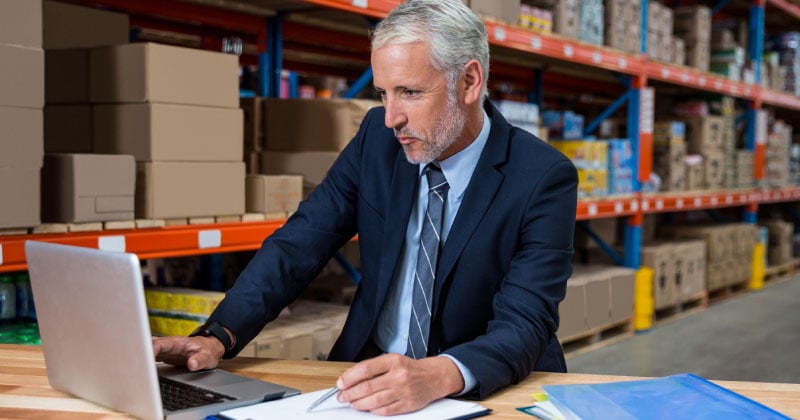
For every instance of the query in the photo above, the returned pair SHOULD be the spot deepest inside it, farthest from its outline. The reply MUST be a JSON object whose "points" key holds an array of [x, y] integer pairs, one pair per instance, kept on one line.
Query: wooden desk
{"points": [[25, 392]]}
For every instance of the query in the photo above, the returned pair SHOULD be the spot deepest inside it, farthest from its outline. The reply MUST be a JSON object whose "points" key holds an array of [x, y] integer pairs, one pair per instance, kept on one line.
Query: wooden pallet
{"points": [[688, 306], [780, 272], [729, 291], [597, 337]]}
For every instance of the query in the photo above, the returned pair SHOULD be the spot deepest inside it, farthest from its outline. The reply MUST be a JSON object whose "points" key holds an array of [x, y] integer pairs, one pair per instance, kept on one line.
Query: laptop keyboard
{"points": [[178, 395]]}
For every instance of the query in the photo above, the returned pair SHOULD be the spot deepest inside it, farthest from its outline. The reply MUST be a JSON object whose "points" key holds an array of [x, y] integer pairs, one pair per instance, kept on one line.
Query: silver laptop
{"points": [[96, 337]]}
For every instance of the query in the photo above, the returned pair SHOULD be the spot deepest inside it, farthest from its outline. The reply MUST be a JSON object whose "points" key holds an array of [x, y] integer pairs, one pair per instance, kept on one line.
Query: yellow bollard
{"points": [[643, 305], [757, 272]]}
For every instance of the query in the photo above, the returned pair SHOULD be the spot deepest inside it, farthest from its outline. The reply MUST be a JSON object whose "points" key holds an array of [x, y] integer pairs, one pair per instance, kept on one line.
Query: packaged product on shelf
{"points": [[722, 38], [732, 71], [678, 56], [273, 193], [660, 258], [694, 172], [506, 11], [669, 150], [620, 167], [72, 26], [591, 21], [566, 18], [705, 135], [563, 124], [733, 55]]}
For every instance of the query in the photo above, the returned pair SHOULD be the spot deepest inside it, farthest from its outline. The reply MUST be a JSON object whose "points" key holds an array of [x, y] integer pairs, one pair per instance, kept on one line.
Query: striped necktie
{"points": [[425, 273]]}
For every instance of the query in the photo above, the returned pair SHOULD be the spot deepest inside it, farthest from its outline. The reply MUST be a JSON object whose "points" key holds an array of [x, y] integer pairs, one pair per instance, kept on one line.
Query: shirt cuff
{"points": [[469, 379]]}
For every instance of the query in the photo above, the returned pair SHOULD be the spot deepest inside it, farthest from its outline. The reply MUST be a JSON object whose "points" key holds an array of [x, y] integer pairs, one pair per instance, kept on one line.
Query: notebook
{"points": [[97, 343]]}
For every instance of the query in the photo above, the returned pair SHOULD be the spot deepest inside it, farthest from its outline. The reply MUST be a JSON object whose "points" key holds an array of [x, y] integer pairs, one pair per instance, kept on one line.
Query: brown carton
{"points": [[506, 10], [305, 125], [71, 26], [87, 188], [313, 166], [22, 80], [21, 138], [167, 132], [68, 129], [690, 269], [660, 259], [572, 310], [66, 76], [704, 134], [252, 109], [714, 170], [273, 193], [20, 187], [189, 189], [566, 18], [21, 23], [694, 172], [621, 282], [598, 303], [147, 72]]}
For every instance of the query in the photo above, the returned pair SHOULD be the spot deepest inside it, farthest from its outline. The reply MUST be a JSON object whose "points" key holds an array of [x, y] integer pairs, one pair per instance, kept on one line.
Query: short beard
{"points": [[446, 129]]}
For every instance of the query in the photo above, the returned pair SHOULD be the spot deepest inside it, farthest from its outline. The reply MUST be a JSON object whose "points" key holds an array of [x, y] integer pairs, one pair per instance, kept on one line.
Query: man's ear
{"points": [[473, 82]]}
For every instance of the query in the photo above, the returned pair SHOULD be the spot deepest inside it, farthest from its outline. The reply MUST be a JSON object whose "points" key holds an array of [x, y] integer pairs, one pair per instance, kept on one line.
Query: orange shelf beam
{"points": [[693, 78], [787, 7], [607, 207], [173, 241], [781, 99]]}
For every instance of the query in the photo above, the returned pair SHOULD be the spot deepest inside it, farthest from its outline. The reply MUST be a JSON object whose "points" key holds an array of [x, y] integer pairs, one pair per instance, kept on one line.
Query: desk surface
{"points": [[25, 392]]}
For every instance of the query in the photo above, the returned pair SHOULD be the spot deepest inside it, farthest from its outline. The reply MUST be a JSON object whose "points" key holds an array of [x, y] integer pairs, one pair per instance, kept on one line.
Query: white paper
{"points": [[295, 408]]}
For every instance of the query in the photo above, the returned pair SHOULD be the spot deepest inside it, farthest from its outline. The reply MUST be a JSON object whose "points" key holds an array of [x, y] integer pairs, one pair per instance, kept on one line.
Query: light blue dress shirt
{"points": [[391, 332]]}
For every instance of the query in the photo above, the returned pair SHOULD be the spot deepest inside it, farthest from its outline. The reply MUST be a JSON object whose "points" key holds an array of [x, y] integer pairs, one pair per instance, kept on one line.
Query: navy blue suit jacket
{"points": [[502, 271]]}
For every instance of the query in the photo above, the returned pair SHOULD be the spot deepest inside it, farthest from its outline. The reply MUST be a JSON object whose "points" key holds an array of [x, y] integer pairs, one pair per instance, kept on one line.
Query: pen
{"points": [[331, 392]]}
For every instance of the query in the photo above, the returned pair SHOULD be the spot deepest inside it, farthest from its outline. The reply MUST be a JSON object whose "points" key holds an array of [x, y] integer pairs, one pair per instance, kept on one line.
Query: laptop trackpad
{"points": [[210, 378]]}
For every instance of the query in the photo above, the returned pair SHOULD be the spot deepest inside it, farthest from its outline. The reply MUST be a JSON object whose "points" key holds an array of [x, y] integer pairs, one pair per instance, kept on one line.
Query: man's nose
{"points": [[395, 115]]}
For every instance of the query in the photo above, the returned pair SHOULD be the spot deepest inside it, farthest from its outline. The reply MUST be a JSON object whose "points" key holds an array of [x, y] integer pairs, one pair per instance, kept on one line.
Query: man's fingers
{"points": [[375, 401], [365, 370]]}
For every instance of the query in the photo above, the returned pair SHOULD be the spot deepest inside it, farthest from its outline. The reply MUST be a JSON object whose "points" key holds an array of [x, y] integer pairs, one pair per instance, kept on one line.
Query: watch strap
{"points": [[213, 329]]}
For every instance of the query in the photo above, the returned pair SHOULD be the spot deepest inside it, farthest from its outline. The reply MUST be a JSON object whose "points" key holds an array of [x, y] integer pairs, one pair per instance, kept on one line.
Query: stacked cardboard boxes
{"points": [[669, 152], [779, 245], [705, 136], [659, 32], [678, 270], [597, 296], [623, 25], [566, 18], [304, 136], [21, 103], [744, 169], [176, 110], [692, 24], [779, 141]]}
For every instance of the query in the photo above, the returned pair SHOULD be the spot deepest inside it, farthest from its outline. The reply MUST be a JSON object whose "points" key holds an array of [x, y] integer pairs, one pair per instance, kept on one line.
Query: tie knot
{"points": [[436, 179]]}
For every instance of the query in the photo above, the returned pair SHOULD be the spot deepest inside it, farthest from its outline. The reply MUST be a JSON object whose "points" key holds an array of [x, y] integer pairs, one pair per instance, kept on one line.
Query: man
{"points": [[467, 314]]}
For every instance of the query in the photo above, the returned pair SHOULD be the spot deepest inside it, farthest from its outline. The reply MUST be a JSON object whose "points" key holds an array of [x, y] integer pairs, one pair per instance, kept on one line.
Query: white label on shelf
{"points": [[361, 3], [114, 243], [618, 207], [664, 72], [728, 199], [714, 201], [646, 106], [659, 204], [597, 57], [701, 81], [684, 77], [747, 90], [698, 201], [568, 50], [209, 238], [734, 89], [679, 203], [761, 127], [634, 206], [645, 205], [717, 84], [536, 43], [623, 63], [742, 198], [592, 209], [1, 254], [500, 34]]}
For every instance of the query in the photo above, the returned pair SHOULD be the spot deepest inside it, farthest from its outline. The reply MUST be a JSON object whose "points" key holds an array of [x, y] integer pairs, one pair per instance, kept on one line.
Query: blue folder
{"points": [[684, 396]]}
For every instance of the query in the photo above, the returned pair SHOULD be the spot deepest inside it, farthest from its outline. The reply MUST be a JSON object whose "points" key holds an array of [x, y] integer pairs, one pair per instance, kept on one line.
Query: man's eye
{"points": [[411, 93]]}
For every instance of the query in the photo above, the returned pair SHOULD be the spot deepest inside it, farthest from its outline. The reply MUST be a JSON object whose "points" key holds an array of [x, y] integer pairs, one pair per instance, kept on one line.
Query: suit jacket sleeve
{"points": [[295, 254], [520, 336]]}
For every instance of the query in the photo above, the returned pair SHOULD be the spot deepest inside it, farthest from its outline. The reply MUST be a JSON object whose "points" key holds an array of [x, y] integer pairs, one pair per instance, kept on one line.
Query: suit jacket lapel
{"points": [[478, 197], [401, 198]]}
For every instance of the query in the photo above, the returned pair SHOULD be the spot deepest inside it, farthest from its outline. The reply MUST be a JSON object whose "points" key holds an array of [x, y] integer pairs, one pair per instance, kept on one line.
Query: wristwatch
{"points": [[213, 329]]}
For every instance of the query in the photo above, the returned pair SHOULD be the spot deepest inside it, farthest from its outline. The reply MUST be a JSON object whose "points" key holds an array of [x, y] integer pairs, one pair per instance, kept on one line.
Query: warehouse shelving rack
{"points": [[266, 30]]}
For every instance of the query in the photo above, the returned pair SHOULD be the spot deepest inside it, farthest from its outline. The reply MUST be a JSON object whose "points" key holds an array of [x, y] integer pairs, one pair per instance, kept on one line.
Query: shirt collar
{"points": [[458, 168]]}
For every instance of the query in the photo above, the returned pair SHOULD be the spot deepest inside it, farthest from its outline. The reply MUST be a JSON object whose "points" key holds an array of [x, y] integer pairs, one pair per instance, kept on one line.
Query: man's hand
{"points": [[193, 352], [393, 384]]}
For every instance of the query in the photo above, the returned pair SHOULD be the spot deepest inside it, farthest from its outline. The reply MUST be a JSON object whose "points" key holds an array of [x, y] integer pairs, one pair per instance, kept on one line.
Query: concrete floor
{"points": [[754, 336]]}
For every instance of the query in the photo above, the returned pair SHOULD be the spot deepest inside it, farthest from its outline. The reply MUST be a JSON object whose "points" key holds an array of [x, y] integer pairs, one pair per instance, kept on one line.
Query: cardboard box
{"points": [[313, 166], [21, 138], [660, 259], [22, 81], [253, 112], [21, 187], [695, 171], [704, 134], [273, 193], [71, 26], [68, 129], [678, 52], [148, 72], [87, 188], [305, 125], [571, 310], [605, 228], [21, 23], [506, 10], [692, 23], [598, 299], [689, 269], [66, 76], [621, 281], [189, 189], [167, 132], [713, 170], [566, 18]]}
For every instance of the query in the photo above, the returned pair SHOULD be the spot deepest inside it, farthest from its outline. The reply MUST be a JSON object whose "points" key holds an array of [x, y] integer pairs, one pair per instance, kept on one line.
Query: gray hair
{"points": [[455, 34]]}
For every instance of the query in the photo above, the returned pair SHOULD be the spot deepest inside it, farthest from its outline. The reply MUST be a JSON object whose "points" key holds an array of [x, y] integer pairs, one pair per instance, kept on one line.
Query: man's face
{"points": [[426, 117]]}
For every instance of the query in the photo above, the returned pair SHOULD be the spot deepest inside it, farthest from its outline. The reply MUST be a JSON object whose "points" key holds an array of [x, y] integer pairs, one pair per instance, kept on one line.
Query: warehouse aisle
{"points": [[751, 337]]}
